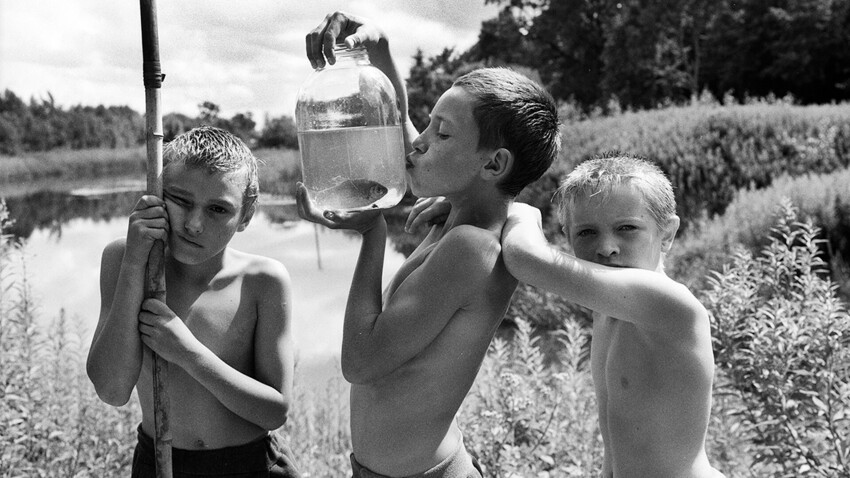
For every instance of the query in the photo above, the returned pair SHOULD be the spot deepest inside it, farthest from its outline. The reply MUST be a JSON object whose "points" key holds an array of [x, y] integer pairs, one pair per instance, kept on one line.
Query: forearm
{"points": [[364, 299], [244, 395], [381, 58], [115, 357], [628, 293]]}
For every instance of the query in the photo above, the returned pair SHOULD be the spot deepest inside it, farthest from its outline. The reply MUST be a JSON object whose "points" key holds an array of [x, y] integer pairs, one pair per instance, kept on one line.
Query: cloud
{"points": [[243, 56]]}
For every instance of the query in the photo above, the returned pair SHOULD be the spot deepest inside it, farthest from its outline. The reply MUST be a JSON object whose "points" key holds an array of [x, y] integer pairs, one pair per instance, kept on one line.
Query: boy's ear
{"points": [[669, 233], [499, 163], [246, 217]]}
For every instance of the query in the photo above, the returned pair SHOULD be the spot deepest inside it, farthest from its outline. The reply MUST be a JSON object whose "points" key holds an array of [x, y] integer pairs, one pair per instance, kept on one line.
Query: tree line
{"points": [[596, 55], [42, 125], [646, 53]]}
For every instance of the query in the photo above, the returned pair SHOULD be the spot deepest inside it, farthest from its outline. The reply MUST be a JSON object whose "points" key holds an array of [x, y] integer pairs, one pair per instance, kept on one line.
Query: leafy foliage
{"points": [[710, 151], [822, 198], [781, 336], [643, 54], [51, 421], [525, 417]]}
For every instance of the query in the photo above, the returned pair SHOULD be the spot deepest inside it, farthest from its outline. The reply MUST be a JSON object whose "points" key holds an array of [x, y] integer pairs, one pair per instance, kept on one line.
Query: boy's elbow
{"points": [[355, 371], [278, 417], [108, 390]]}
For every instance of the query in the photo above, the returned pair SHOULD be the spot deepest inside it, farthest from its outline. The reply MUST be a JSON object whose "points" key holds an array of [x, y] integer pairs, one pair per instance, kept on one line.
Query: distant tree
{"points": [[174, 124], [242, 125], [780, 47], [208, 113], [278, 133], [429, 79]]}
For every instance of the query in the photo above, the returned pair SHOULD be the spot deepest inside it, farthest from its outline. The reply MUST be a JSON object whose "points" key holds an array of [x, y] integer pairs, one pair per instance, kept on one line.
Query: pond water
{"points": [[66, 230]]}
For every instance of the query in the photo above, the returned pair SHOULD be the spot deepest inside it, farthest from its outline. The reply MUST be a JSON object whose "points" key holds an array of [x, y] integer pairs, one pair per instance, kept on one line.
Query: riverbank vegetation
{"points": [[782, 341]]}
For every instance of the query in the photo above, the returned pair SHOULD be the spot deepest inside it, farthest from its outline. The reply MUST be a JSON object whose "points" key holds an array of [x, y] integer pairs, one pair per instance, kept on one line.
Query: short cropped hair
{"points": [[605, 172], [515, 113], [216, 151]]}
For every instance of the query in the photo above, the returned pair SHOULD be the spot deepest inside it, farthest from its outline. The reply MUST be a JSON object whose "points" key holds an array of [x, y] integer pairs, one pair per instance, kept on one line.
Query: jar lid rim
{"points": [[343, 47]]}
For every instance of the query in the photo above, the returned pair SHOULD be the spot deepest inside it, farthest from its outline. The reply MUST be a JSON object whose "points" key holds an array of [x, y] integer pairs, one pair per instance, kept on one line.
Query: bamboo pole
{"points": [[155, 277]]}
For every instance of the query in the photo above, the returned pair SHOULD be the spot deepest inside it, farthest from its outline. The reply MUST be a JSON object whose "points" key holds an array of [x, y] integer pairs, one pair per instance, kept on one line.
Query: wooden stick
{"points": [[155, 277]]}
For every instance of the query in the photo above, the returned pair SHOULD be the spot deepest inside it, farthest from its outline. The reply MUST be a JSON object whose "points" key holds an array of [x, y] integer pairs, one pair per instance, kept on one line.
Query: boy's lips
{"points": [[189, 241], [408, 164]]}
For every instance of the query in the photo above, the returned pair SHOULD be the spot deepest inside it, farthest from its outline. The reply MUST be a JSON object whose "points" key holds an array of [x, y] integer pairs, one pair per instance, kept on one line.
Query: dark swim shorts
{"points": [[268, 457]]}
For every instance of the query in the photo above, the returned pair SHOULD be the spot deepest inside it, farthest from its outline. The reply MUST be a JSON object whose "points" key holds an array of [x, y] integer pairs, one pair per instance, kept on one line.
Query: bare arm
{"points": [[262, 399], [115, 356], [377, 341], [640, 296]]}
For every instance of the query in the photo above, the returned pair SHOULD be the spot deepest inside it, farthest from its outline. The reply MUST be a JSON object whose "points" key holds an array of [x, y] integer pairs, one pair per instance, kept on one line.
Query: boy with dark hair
{"points": [[651, 356], [412, 353], [225, 326]]}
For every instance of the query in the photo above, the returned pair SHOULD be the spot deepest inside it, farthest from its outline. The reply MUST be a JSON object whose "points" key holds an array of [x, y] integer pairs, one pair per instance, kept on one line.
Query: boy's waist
{"points": [[408, 453], [251, 455]]}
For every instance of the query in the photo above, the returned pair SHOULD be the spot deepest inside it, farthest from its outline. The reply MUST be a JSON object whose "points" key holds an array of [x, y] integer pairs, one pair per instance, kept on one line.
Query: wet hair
{"points": [[215, 151], [600, 175], [515, 113]]}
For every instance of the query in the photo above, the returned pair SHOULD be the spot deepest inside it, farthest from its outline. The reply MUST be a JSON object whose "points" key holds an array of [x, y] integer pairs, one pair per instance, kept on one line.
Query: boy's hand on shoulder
{"points": [[148, 223], [428, 212], [354, 30], [523, 227], [523, 239], [164, 333], [360, 221]]}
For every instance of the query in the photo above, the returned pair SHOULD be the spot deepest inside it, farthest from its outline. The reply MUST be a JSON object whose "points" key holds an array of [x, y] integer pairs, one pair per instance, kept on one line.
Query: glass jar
{"points": [[349, 135]]}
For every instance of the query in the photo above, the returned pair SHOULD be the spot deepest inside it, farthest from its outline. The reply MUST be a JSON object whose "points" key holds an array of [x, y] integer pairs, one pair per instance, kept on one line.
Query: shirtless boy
{"points": [[412, 353], [651, 356], [225, 326]]}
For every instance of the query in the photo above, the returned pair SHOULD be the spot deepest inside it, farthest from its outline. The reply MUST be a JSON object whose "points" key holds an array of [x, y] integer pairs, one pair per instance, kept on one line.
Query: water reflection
{"points": [[65, 235]]}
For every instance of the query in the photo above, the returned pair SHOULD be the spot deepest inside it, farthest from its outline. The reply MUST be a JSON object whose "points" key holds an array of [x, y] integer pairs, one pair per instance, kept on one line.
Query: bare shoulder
{"points": [[471, 245], [680, 307], [112, 255], [261, 271]]}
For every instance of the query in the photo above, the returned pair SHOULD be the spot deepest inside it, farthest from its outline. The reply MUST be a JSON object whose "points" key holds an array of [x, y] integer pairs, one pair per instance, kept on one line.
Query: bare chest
{"points": [[222, 317], [623, 359]]}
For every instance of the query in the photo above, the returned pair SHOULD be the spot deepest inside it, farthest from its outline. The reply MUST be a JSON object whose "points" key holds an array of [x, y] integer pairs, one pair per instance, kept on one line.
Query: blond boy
{"points": [[651, 355]]}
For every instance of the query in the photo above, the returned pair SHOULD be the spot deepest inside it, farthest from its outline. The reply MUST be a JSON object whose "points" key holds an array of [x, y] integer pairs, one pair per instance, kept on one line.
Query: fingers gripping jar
{"points": [[349, 134]]}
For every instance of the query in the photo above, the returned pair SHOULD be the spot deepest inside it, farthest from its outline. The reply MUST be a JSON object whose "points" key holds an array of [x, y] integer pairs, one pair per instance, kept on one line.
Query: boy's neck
{"points": [[199, 274], [483, 211]]}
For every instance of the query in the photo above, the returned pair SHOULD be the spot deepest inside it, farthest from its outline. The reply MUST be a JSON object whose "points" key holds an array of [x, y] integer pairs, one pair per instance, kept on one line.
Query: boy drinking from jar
{"points": [[412, 353], [224, 328]]}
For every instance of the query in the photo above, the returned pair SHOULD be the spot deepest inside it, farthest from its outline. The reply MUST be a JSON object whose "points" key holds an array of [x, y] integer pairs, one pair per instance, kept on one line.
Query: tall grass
{"points": [[51, 421]]}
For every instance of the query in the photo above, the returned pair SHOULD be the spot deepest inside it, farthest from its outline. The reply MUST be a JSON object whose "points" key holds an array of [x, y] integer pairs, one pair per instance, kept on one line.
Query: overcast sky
{"points": [[245, 56]]}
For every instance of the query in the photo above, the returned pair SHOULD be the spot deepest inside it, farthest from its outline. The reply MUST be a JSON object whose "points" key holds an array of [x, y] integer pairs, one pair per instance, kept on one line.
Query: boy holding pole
{"points": [[224, 328]]}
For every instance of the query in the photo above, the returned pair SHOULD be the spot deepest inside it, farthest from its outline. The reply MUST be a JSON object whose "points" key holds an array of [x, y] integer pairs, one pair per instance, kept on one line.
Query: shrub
{"points": [[781, 337], [711, 151], [823, 198], [525, 418], [51, 421]]}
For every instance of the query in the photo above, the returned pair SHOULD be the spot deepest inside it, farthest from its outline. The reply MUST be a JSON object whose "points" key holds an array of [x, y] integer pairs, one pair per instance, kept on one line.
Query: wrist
{"points": [[378, 226]]}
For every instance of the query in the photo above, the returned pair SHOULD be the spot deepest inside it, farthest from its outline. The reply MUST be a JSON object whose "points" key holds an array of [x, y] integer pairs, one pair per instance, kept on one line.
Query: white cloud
{"points": [[243, 56]]}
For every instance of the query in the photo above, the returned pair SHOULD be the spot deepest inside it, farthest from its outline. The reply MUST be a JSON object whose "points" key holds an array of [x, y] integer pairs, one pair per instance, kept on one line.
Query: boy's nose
{"points": [[607, 248], [419, 144], [194, 224]]}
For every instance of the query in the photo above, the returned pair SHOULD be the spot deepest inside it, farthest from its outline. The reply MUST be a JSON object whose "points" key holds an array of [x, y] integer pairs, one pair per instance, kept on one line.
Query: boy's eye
{"points": [[627, 227], [175, 199], [585, 232], [218, 209]]}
